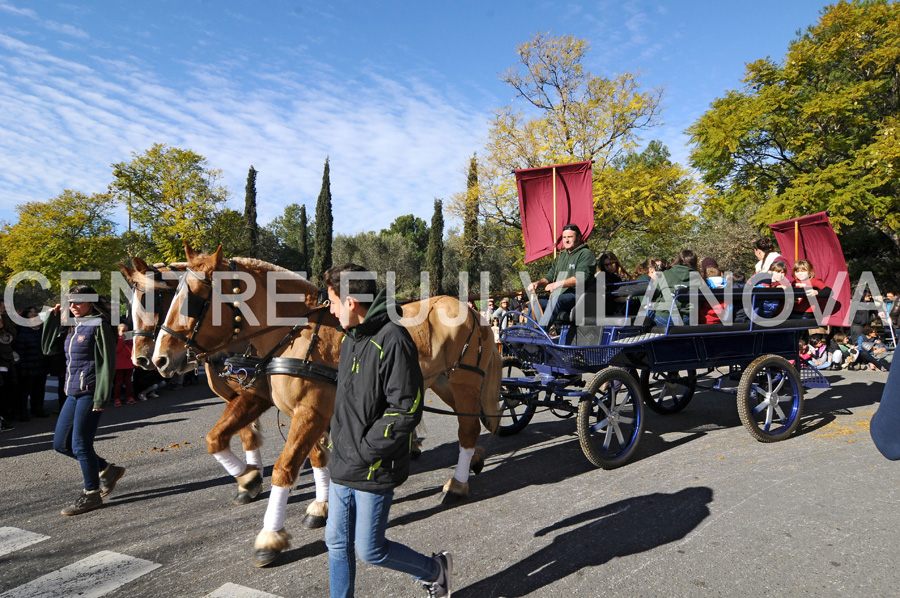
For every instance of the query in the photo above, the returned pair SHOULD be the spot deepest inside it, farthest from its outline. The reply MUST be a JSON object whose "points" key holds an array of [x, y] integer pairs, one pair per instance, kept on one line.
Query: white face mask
{"points": [[801, 275]]}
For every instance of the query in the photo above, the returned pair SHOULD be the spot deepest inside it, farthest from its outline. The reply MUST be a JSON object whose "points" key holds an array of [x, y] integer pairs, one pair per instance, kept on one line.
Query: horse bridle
{"points": [[197, 308], [157, 304]]}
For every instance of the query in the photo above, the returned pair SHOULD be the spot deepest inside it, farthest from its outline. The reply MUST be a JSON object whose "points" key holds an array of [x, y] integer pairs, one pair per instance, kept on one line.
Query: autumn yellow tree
{"points": [[562, 114]]}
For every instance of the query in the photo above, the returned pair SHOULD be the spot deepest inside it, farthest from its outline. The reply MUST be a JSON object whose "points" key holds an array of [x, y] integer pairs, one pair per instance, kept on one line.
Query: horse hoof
{"points": [[249, 491], [414, 454], [450, 499], [477, 465], [312, 521], [263, 557]]}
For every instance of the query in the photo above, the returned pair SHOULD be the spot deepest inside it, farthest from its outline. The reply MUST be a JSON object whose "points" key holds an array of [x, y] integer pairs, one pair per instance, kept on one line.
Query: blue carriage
{"points": [[634, 364]]}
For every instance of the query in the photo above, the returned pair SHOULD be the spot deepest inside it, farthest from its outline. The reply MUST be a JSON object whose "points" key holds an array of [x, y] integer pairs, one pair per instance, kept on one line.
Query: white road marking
{"points": [[231, 590], [13, 539], [92, 577]]}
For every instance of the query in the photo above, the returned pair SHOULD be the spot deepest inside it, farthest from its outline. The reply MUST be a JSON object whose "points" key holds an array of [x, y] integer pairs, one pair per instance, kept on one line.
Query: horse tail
{"points": [[493, 375]]}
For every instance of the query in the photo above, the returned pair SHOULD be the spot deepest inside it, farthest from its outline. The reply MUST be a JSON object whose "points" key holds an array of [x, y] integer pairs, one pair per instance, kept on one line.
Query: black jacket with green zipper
{"points": [[378, 402]]}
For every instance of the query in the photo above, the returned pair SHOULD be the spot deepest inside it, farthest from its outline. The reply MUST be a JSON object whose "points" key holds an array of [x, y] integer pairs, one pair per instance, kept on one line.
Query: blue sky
{"points": [[398, 94]]}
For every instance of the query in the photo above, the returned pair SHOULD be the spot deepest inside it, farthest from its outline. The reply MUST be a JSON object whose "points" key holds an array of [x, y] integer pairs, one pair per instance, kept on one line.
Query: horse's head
{"points": [[152, 289]]}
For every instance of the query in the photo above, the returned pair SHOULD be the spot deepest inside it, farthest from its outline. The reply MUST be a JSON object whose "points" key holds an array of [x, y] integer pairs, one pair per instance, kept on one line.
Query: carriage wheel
{"points": [[611, 418], [515, 408], [668, 392], [770, 398]]}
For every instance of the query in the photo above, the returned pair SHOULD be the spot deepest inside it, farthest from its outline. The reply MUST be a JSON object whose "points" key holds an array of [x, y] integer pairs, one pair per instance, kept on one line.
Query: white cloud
{"points": [[393, 144]]}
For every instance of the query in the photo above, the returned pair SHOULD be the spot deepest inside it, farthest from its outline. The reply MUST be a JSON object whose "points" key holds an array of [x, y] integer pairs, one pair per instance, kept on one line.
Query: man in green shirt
{"points": [[575, 257]]}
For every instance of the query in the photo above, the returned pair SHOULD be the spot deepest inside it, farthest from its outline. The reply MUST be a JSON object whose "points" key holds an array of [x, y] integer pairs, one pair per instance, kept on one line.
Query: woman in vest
{"points": [[88, 341]]}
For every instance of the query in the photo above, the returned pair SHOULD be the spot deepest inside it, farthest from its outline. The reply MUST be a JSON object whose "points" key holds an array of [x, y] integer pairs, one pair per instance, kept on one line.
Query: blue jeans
{"points": [[74, 437], [563, 302], [358, 519]]}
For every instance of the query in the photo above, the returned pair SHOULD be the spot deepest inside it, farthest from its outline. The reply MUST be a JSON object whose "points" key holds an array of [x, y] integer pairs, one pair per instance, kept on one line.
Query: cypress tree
{"points": [[471, 261], [436, 250], [251, 229], [303, 249], [324, 223]]}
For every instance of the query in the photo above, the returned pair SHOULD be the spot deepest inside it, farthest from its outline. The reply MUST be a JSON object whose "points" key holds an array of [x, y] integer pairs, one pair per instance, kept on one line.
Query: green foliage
{"points": [[251, 228], [324, 222], [414, 230], [381, 253], [817, 131], [294, 240], [172, 196], [71, 232], [470, 245], [435, 258]]}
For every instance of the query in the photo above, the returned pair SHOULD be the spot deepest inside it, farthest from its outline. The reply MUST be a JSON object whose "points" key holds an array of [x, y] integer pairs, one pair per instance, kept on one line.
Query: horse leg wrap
{"points": [[254, 459], [230, 462], [275, 510], [463, 464], [322, 477]]}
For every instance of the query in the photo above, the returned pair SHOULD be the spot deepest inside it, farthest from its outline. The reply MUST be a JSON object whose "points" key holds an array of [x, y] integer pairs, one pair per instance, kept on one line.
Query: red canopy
{"points": [[817, 243], [574, 204]]}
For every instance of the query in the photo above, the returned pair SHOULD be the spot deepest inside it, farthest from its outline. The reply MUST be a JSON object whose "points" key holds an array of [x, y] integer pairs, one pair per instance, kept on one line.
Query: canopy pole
{"points": [[796, 240], [553, 181]]}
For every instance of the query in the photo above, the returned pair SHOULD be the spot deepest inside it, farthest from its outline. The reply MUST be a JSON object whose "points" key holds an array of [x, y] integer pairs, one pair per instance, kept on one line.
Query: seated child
{"points": [[713, 313], [872, 350], [805, 278], [805, 353], [771, 307], [819, 356], [843, 354]]}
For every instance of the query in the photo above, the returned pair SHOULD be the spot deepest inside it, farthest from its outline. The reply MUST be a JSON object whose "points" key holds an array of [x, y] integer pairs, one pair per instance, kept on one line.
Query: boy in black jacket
{"points": [[377, 407]]}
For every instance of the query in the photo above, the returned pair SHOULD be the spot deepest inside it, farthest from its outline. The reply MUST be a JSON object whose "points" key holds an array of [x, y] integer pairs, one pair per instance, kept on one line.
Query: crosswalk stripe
{"points": [[13, 539], [232, 590], [92, 577]]}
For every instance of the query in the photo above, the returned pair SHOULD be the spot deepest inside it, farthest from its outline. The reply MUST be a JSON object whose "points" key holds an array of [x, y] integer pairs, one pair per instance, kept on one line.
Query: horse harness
{"points": [[157, 304]]}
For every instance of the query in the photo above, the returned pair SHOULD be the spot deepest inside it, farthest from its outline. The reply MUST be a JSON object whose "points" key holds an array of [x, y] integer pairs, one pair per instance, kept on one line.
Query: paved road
{"points": [[704, 510]]}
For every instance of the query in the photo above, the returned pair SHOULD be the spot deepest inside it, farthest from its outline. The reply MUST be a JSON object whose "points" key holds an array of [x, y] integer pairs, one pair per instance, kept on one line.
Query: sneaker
{"points": [[440, 587], [5, 425], [109, 477], [88, 501], [142, 397], [130, 401], [117, 403], [153, 395]]}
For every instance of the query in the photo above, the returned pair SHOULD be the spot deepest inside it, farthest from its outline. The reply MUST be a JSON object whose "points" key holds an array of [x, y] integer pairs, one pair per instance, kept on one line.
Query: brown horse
{"points": [[456, 354], [153, 288]]}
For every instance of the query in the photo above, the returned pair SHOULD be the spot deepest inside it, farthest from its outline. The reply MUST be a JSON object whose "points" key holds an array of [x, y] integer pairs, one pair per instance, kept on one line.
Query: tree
{"points": [[817, 131], [381, 253], [652, 194], [572, 116], [324, 223], [436, 250], [414, 231], [472, 250], [173, 196], [71, 232], [251, 229], [292, 231]]}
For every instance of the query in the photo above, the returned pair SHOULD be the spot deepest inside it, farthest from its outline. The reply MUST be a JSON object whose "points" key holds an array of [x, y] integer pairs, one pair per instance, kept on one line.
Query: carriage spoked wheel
{"points": [[611, 418], [668, 392], [515, 411], [770, 398]]}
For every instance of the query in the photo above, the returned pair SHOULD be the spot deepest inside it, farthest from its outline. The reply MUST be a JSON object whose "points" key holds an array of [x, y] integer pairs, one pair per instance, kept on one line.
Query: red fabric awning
{"points": [[574, 205], [817, 243]]}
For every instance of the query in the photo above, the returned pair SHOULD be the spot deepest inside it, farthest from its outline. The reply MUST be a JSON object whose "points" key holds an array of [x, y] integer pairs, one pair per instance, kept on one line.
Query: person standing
{"points": [[32, 365], [89, 345], [378, 404]]}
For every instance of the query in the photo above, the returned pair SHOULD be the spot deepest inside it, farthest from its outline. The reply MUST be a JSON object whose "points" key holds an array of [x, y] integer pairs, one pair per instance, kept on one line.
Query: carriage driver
{"points": [[376, 408], [575, 257]]}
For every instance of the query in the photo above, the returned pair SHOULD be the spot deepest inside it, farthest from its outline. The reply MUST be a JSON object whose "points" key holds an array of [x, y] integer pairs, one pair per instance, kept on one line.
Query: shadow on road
{"points": [[630, 526]]}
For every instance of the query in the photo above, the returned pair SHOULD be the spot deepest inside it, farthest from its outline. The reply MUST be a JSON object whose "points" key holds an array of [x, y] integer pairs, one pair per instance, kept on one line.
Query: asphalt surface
{"points": [[703, 510]]}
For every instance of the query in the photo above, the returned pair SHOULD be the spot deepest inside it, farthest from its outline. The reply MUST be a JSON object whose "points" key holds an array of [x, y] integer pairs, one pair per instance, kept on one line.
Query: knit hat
{"points": [[707, 262]]}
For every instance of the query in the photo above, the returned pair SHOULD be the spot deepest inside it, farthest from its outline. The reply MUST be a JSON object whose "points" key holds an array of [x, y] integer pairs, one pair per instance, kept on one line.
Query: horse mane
{"points": [[260, 265]]}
